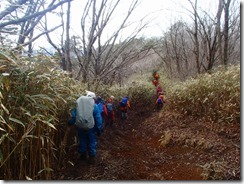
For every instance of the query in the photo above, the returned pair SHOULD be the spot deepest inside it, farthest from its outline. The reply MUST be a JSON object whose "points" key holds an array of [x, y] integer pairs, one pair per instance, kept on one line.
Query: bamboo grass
{"points": [[215, 96], [32, 94], [35, 100]]}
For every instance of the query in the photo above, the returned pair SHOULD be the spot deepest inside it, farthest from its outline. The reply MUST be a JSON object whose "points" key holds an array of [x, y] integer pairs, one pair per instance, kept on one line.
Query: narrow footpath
{"points": [[146, 146]]}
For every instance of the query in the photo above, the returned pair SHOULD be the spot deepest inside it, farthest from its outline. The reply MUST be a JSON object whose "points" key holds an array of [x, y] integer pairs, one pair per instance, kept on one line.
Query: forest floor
{"points": [[159, 145]]}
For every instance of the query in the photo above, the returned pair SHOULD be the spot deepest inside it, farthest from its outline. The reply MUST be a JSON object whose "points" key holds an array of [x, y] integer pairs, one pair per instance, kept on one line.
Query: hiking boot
{"points": [[83, 157], [91, 160]]}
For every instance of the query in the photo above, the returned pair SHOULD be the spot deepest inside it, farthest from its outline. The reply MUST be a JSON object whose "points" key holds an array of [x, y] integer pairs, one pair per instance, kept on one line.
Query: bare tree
{"points": [[195, 35], [102, 57], [22, 18], [14, 6], [234, 34], [226, 31], [174, 50], [218, 29], [62, 48], [67, 41], [207, 35], [229, 32]]}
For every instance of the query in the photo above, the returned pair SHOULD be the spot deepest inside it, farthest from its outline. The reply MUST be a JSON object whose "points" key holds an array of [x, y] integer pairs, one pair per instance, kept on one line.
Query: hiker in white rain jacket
{"points": [[87, 138]]}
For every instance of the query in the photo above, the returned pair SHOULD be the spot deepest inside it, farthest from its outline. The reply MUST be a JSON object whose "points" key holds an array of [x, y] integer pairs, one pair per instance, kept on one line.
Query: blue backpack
{"points": [[110, 107], [159, 101], [123, 102]]}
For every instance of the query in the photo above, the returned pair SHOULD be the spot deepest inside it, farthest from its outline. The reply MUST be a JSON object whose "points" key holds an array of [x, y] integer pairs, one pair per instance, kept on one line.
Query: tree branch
{"points": [[33, 15]]}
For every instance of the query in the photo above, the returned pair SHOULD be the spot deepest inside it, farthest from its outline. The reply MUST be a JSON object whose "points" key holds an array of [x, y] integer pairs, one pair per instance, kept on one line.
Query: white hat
{"points": [[90, 94]]}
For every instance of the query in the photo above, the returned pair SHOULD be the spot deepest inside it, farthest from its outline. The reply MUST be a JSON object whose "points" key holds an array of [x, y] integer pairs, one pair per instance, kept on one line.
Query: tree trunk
{"points": [[218, 30], [67, 42], [226, 32], [196, 39]]}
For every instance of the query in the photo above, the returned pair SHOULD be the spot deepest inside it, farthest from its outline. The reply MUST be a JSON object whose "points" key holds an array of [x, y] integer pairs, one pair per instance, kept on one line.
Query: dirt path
{"points": [[135, 149]]}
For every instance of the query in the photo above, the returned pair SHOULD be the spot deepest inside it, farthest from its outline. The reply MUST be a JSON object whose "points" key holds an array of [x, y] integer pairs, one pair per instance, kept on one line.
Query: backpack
{"points": [[100, 107], [84, 113], [159, 101], [123, 102], [109, 107]]}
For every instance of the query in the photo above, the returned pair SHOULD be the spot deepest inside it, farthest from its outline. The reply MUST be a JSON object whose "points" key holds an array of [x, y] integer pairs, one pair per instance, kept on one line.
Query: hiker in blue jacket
{"points": [[102, 108], [87, 138]]}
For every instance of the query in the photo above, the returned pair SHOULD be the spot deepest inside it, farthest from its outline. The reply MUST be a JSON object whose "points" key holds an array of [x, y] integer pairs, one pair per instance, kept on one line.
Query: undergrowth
{"points": [[215, 96], [36, 97]]}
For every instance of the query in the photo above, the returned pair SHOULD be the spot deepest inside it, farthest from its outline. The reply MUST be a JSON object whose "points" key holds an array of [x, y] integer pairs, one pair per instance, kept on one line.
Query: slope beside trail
{"points": [[132, 150]]}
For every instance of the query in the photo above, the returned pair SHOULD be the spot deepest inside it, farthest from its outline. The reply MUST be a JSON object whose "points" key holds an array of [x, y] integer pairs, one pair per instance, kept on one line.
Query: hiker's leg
{"points": [[111, 122], [104, 121], [126, 116], [113, 117], [92, 143], [123, 114], [82, 141], [158, 107], [110, 119]]}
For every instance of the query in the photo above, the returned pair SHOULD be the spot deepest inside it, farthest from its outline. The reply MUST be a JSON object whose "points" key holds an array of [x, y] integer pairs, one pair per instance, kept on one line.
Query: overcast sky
{"points": [[162, 12]]}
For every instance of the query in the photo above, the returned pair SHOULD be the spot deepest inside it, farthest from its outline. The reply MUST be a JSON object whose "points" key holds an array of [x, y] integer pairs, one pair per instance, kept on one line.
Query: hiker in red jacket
{"points": [[155, 82], [158, 90]]}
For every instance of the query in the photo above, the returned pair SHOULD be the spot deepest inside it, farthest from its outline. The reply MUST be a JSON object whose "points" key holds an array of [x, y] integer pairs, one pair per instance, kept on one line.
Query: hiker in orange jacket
{"points": [[156, 75], [124, 105]]}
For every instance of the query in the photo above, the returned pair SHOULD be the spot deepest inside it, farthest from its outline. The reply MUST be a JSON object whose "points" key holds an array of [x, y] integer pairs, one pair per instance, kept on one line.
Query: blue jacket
{"points": [[97, 118]]}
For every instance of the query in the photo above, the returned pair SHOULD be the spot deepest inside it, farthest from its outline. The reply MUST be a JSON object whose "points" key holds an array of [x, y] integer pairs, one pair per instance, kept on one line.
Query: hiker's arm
{"points": [[71, 121], [105, 110], [128, 103], [97, 117]]}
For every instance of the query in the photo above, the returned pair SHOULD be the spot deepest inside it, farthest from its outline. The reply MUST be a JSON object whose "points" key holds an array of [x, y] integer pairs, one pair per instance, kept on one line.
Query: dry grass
{"points": [[165, 138], [215, 96], [35, 99]]}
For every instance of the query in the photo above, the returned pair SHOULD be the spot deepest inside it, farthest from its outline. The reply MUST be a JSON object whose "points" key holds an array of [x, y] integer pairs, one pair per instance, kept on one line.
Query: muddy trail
{"points": [[153, 145]]}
